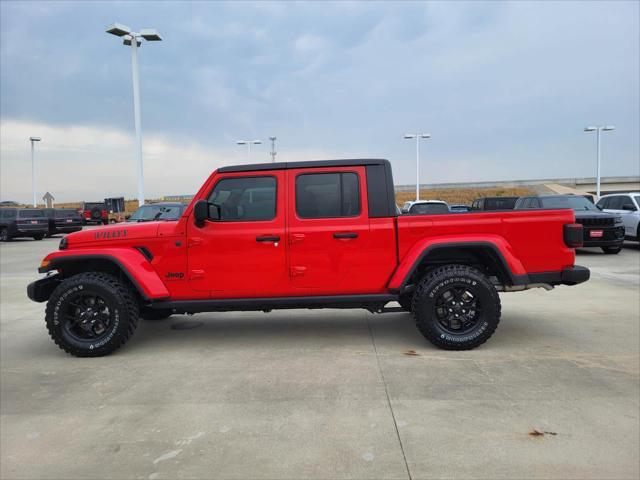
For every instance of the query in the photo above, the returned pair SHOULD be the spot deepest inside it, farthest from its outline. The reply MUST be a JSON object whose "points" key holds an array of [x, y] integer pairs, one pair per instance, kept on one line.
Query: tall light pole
{"points": [[133, 40], [417, 136], [273, 152], [248, 143], [33, 170], [598, 129]]}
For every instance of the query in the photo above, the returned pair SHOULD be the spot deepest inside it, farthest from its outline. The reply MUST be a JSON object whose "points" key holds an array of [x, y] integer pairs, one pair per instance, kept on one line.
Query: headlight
{"points": [[618, 220]]}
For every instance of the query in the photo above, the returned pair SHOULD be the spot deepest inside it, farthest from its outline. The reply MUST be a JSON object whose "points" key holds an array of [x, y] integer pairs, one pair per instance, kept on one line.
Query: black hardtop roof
{"points": [[310, 164]]}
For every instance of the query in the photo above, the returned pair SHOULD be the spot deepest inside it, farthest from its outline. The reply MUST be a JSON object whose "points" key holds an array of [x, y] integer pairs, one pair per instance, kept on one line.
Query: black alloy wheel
{"points": [[87, 316], [457, 310]]}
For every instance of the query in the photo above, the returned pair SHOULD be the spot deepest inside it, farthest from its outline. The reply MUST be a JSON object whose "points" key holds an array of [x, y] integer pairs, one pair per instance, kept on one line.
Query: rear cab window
{"points": [[327, 195]]}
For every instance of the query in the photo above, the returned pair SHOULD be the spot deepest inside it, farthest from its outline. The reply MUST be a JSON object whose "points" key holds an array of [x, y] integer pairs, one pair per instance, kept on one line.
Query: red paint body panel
{"points": [[131, 260], [224, 259]]}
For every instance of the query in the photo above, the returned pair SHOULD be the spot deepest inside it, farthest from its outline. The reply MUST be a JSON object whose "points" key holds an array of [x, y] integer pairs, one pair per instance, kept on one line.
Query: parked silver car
{"points": [[627, 205]]}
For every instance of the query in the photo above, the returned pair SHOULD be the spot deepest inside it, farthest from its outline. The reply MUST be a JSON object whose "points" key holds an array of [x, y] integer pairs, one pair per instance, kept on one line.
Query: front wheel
{"points": [[91, 314], [611, 250], [4, 235], [38, 236], [456, 307]]}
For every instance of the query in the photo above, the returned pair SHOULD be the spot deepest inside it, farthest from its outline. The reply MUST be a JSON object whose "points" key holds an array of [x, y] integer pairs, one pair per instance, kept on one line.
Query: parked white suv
{"points": [[627, 205]]}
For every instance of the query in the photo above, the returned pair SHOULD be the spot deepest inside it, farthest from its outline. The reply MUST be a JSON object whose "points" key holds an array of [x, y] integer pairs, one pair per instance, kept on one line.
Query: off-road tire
{"points": [[118, 296], [611, 250], [4, 235], [406, 301], [155, 315], [39, 236], [437, 282]]}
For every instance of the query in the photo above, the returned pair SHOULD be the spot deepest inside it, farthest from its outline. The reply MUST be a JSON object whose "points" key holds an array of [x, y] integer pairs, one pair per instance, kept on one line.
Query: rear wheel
{"points": [[456, 307], [91, 314], [611, 250], [38, 236], [4, 235]]}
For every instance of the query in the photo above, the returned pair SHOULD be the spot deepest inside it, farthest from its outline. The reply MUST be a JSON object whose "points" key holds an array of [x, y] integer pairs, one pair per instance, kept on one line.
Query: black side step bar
{"points": [[373, 303]]}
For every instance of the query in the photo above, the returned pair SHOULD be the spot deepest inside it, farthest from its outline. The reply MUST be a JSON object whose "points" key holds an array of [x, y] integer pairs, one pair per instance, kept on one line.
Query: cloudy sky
{"points": [[505, 89]]}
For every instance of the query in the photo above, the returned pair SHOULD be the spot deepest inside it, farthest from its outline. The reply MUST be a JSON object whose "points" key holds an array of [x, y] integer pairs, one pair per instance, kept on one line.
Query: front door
{"points": [[243, 253], [328, 230]]}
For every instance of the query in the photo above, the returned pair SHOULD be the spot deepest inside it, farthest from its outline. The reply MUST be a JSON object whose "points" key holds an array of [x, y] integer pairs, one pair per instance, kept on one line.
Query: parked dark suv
{"points": [[94, 212], [600, 229], [494, 203], [63, 220], [23, 222]]}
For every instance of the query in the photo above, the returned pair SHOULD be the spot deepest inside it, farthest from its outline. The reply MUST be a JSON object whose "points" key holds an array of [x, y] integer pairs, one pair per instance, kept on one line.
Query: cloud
{"points": [[77, 163], [504, 87]]}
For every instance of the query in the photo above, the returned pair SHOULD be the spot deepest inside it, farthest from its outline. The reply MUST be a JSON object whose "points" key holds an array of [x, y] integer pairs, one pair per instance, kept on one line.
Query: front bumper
{"points": [[611, 237], [40, 290]]}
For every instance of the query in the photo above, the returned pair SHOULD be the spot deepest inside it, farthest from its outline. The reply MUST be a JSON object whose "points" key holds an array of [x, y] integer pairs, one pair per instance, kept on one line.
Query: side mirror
{"points": [[629, 206], [200, 212]]}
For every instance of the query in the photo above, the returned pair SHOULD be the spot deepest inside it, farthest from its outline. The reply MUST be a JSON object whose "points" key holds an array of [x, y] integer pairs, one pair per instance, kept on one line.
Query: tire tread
{"points": [[119, 289]]}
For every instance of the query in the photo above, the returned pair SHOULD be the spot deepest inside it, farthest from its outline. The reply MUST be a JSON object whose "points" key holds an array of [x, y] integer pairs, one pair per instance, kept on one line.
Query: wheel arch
{"points": [[131, 267], [484, 254]]}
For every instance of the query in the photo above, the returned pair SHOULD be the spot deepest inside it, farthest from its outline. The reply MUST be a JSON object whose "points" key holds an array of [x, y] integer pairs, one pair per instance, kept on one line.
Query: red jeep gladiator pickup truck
{"points": [[303, 235]]}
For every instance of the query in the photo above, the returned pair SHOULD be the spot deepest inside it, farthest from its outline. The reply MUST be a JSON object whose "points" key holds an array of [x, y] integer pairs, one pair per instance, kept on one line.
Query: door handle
{"points": [[344, 235], [268, 238]]}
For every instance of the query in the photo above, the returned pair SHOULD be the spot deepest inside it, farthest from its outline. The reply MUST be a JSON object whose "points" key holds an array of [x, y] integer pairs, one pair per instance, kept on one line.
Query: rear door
{"points": [[243, 254], [328, 231]]}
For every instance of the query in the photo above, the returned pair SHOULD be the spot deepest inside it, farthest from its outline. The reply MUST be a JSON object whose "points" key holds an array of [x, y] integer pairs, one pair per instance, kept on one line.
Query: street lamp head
{"points": [[273, 139], [150, 35], [590, 129], [118, 29], [35, 139], [241, 142], [127, 41], [425, 135], [256, 142], [608, 128], [408, 135]]}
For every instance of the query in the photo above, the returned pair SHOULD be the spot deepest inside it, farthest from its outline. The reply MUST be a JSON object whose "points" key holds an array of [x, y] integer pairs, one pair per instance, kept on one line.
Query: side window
{"points": [[245, 199], [8, 214], [616, 202], [327, 195], [603, 202]]}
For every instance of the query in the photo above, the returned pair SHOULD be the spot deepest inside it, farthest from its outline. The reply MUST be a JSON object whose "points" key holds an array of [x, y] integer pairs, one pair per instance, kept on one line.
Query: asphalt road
{"points": [[330, 394]]}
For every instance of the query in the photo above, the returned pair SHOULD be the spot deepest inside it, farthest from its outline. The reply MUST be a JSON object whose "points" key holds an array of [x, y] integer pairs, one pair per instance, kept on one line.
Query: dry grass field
{"points": [[462, 196]]}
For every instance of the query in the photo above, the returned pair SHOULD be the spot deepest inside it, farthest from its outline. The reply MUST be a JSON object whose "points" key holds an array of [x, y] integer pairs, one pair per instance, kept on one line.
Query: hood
{"points": [[593, 214], [113, 233]]}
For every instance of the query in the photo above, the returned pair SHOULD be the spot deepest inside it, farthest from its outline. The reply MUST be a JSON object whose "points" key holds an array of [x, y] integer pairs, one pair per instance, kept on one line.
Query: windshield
{"points": [[428, 208], [573, 202], [148, 213]]}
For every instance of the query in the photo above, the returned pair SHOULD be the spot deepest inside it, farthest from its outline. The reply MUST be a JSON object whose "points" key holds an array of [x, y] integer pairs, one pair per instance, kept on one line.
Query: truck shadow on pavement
{"points": [[317, 330]]}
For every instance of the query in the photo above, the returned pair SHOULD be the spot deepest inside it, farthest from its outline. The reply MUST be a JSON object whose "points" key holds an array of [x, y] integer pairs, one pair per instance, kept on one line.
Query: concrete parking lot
{"points": [[330, 394]]}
